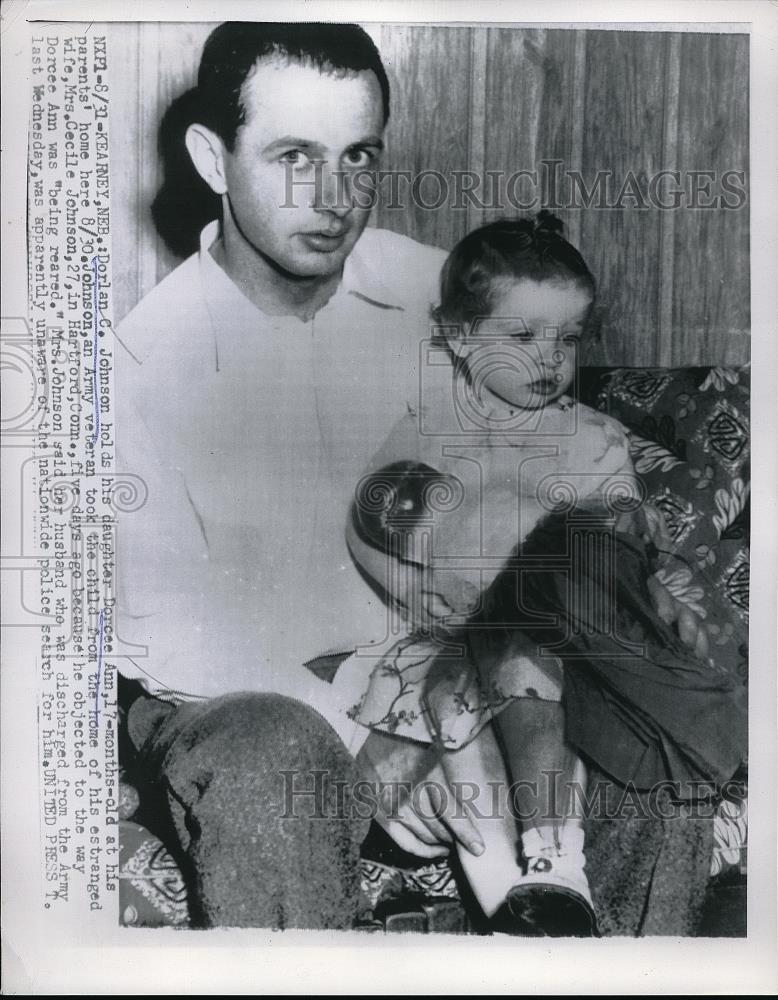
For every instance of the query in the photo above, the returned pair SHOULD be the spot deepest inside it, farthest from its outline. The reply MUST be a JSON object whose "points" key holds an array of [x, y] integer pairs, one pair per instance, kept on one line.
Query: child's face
{"points": [[525, 352]]}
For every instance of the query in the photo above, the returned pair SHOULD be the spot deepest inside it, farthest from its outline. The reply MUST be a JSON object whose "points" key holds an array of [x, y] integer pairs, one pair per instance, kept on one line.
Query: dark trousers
{"points": [[259, 789], [257, 853]]}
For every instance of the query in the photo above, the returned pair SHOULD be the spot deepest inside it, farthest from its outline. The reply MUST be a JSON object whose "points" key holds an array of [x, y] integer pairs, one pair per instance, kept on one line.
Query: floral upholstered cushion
{"points": [[690, 444]]}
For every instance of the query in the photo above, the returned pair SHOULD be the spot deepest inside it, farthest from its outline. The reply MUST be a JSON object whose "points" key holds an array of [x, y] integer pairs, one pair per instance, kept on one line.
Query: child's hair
{"points": [[506, 251]]}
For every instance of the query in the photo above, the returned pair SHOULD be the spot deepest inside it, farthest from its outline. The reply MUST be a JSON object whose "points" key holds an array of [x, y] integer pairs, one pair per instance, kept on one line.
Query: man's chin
{"points": [[318, 264]]}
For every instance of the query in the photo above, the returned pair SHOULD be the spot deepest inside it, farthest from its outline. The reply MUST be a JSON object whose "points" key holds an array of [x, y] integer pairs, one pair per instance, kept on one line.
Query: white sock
{"points": [[554, 839], [494, 873]]}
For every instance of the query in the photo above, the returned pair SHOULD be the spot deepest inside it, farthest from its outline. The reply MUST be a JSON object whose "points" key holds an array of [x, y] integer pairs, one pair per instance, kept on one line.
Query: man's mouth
{"points": [[325, 240]]}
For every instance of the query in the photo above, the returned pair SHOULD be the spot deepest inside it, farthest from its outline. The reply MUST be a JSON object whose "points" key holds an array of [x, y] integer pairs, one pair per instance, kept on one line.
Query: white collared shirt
{"points": [[250, 432]]}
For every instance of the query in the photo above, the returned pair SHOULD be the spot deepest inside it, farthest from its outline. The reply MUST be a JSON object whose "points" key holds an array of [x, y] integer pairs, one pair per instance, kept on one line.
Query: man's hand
{"points": [[690, 626], [647, 522], [416, 807]]}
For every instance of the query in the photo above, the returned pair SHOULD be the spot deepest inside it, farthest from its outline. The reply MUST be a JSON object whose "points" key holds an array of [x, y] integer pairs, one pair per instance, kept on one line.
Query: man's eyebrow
{"points": [[295, 141], [291, 140], [369, 140]]}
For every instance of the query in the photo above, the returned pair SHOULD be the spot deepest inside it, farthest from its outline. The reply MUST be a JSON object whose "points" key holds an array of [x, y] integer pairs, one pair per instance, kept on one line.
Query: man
{"points": [[253, 384]]}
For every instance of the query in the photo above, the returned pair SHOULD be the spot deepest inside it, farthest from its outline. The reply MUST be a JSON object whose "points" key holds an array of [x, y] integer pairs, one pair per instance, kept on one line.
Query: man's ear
{"points": [[207, 152]]}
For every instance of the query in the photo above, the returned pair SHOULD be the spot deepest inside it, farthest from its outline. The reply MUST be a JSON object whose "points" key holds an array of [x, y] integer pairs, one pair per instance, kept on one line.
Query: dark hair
{"points": [[185, 203], [232, 51], [508, 250]]}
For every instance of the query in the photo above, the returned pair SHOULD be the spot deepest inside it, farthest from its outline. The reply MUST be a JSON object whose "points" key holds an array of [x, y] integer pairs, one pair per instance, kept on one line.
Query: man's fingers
{"points": [[465, 832], [417, 815], [657, 528], [688, 626], [456, 816], [427, 808], [702, 646], [672, 611], [418, 826], [409, 842], [663, 601]]}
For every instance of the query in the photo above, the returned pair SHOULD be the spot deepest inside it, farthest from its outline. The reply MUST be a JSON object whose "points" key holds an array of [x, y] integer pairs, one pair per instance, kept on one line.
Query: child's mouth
{"points": [[545, 385]]}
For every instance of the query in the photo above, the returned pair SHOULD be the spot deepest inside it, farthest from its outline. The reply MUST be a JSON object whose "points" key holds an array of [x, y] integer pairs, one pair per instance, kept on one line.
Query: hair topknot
{"points": [[533, 249], [547, 224]]}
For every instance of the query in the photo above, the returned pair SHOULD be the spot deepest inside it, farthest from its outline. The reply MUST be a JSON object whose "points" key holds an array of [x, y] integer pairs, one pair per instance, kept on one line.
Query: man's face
{"points": [[290, 175]]}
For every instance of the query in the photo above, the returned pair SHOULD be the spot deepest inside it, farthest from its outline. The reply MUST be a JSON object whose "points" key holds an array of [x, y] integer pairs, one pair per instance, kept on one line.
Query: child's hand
{"points": [[448, 595]]}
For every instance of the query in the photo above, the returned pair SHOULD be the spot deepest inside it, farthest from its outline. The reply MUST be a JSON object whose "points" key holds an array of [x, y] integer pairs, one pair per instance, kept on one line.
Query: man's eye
{"points": [[523, 335], [359, 157], [294, 156]]}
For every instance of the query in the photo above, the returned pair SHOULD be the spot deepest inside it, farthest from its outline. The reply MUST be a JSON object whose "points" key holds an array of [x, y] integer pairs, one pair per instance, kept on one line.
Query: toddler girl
{"points": [[504, 521]]}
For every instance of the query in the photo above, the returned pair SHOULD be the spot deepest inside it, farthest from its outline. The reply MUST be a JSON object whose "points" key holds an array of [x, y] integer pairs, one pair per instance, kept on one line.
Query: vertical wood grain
{"points": [[575, 224], [161, 59], [151, 87], [531, 106], [477, 125], [711, 306], [667, 216], [429, 72], [623, 135], [174, 79]]}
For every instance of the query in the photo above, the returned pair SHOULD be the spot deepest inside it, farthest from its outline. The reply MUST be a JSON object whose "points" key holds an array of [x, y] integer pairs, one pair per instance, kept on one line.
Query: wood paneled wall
{"points": [[674, 284]]}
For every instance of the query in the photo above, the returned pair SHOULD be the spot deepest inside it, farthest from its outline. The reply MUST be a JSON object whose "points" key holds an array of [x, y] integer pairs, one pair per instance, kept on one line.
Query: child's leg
{"points": [[545, 771], [531, 732], [534, 815], [476, 773]]}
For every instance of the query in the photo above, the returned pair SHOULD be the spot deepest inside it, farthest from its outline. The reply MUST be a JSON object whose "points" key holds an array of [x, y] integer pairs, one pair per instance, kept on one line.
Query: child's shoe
{"points": [[534, 909], [552, 899]]}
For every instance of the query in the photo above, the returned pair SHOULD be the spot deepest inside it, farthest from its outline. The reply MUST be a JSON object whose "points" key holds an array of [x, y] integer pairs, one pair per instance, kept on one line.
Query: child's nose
{"points": [[555, 356]]}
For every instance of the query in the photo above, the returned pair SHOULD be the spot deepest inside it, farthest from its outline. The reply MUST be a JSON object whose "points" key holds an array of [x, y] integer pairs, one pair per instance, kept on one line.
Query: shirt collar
{"points": [[361, 278], [223, 295]]}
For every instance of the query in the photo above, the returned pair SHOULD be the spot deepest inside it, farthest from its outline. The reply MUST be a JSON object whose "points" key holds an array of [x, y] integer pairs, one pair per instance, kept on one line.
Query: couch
{"points": [[690, 442]]}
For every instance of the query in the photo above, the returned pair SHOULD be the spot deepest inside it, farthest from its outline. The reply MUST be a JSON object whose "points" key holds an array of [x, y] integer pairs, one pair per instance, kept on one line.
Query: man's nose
{"points": [[332, 191]]}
